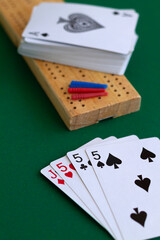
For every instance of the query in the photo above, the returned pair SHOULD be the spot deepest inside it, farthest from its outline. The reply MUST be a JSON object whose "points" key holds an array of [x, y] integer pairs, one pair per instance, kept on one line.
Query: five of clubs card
{"points": [[115, 181]]}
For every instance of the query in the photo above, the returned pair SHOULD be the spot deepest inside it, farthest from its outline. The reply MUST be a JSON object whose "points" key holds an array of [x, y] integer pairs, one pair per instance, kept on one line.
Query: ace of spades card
{"points": [[83, 25], [130, 179]]}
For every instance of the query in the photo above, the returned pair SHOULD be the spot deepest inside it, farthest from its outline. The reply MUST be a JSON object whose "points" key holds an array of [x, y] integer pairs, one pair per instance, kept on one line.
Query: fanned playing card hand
{"points": [[121, 192]]}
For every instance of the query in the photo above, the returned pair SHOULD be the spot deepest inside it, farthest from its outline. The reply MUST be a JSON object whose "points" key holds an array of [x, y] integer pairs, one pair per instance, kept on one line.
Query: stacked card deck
{"points": [[54, 78], [116, 181], [85, 36]]}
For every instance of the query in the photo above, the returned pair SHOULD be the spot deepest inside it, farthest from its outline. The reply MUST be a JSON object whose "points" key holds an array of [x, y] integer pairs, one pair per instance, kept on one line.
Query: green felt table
{"points": [[32, 134]]}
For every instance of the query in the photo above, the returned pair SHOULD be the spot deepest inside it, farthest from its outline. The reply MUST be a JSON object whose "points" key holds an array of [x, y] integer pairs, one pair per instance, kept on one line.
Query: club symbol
{"points": [[78, 23], [89, 162], [83, 166], [143, 183], [100, 164], [112, 160], [69, 174], [139, 217], [146, 154]]}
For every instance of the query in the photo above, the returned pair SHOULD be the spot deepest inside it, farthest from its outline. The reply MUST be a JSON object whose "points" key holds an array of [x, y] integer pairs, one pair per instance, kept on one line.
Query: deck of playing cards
{"points": [[85, 36], [116, 181]]}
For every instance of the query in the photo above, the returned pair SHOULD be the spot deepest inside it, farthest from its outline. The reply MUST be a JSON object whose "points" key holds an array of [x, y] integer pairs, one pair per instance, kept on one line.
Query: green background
{"points": [[32, 135]]}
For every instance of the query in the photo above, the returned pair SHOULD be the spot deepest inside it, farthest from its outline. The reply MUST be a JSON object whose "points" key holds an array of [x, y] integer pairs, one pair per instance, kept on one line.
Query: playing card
{"points": [[52, 176], [83, 25], [83, 167], [129, 176], [67, 171]]}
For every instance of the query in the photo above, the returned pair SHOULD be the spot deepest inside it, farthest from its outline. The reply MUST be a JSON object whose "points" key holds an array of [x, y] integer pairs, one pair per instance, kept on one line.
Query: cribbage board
{"points": [[55, 78]]}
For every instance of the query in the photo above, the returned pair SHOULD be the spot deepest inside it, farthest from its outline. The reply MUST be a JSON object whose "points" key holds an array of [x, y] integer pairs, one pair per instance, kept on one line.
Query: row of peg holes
{"points": [[115, 90], [83, 105], [52, 73], [83, 75]]}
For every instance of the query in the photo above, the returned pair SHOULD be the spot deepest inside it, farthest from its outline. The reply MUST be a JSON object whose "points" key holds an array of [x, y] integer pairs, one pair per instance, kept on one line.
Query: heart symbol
{"points": [[112, 160], [69, 174], [71, 166], [78, 22], [145, 154], [60, 181], [143, 183], [139, 217]]}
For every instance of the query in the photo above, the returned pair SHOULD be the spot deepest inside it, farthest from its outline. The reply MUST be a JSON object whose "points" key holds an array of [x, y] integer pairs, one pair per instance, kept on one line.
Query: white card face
{"points": [[82, 165], [52, 176], [83, 25], [119, 140], [80, 161], [67, 171], [129, 176]]}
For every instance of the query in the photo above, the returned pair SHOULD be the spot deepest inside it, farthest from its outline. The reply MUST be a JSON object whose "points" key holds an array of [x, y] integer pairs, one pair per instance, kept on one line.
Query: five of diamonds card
{"points": [[116, 181]]}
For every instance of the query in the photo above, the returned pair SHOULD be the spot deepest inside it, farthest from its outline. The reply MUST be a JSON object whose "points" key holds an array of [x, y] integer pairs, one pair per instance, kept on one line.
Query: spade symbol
{"points": [[112, 160], [44, 34], [139, 217], [143, 183], [78, 23], [89, 162], [145, 154], [116, 13], [100, 164]]}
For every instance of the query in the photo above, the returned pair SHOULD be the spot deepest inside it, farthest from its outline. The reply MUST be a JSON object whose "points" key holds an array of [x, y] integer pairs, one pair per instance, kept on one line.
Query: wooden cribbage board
{"points": [[55, 78]]}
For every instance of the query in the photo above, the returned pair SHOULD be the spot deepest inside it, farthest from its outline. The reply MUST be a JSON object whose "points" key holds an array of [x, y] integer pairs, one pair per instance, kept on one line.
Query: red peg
{"points": [[88, 95], [85, 90]]}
